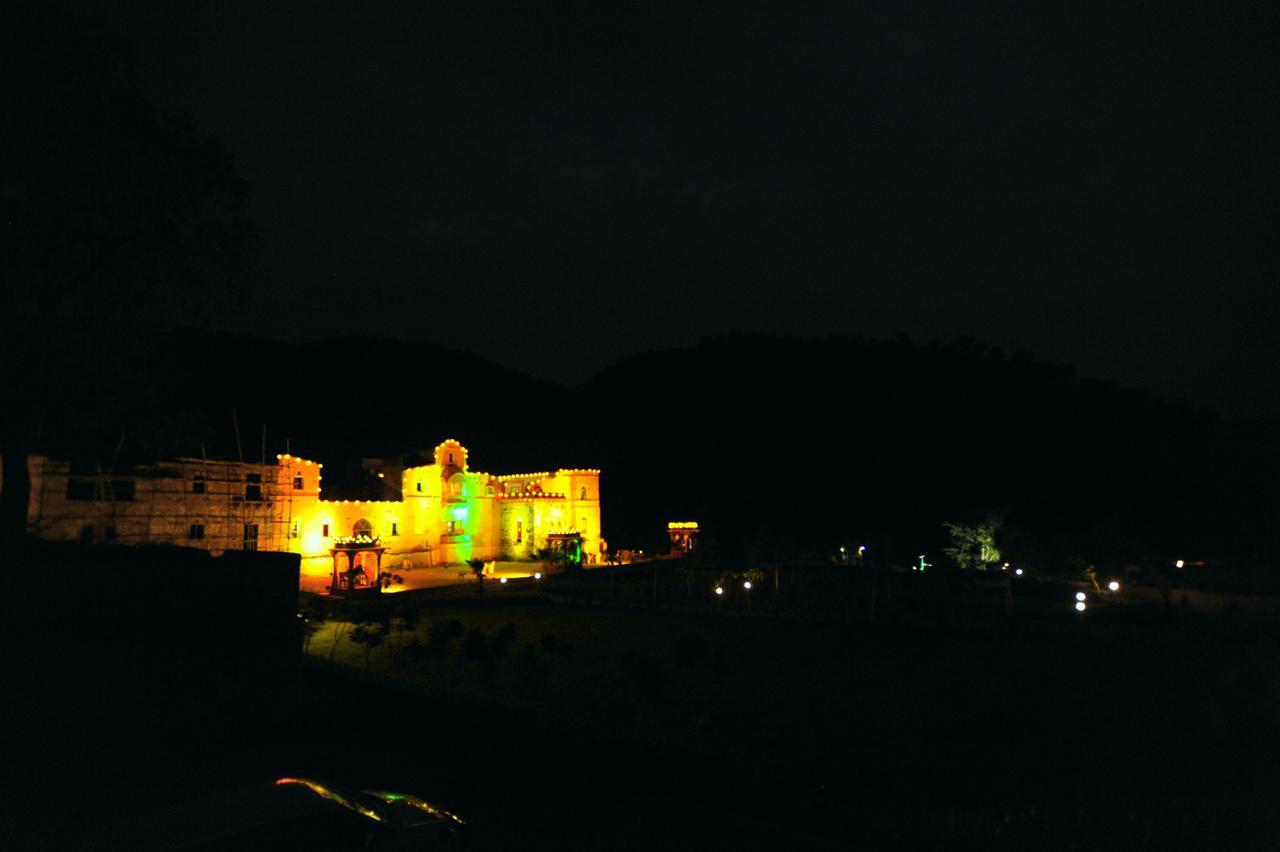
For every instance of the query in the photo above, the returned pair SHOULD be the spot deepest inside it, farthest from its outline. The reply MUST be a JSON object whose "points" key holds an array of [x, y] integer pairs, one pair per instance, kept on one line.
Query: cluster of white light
{"points": [[356, 539], [520, 495]]}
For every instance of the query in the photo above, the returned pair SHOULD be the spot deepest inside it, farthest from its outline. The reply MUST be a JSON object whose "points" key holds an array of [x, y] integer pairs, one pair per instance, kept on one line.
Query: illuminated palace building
{"points": [[441, 513]]}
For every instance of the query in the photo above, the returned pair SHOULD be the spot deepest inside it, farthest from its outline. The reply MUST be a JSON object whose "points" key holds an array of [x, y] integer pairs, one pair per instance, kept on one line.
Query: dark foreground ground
{"points": [[677, 729]]}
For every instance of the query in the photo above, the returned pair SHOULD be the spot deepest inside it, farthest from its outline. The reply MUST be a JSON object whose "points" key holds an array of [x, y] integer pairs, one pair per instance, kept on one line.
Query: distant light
{"points": [[1080, 606], [842, 549], [1079, 596], [1018, 571], [1113, 586], [862, 548], [719, 590], [537, 575], [746, 584], [502, 580], [1179, 564], [1004, 567]]}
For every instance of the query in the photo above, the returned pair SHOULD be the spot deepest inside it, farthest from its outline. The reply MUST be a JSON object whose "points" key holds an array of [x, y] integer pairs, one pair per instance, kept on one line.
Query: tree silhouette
{"points": [[117, 217]]}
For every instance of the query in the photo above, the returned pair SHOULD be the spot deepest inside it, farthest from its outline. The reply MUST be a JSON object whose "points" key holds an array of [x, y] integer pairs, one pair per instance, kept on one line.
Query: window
{"points": [[419, 486], [451, 528], [295, 528], [197, 484], [123, 489], [108, 533], [362, 527], [86, 535], [297, 480], [519, 530], [325, 531], [395, 528], [196, 532], [82, 489], [250, 536], [584, 493], [253, 487], [489, 491], [450, 458]]}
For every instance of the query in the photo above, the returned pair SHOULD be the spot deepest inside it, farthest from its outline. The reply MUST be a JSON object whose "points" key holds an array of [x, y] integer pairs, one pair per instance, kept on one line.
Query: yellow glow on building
{"points": [[447, 512]]}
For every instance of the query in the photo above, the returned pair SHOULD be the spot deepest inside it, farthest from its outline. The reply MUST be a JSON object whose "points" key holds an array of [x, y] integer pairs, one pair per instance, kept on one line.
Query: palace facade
{"points": [[439, 513]]}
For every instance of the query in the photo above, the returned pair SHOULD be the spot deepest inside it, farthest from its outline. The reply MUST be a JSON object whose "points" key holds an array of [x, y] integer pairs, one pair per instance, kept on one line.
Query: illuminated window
{"points": [[196, 532], [197, 484], [250, 536]]}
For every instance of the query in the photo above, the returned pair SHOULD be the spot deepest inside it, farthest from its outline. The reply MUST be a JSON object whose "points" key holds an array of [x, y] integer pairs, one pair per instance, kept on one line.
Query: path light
{"points": [[1080, 606], [537, 575], [746, 584], [719, 590], [1018, 571], [1179, 564], [1113, 586], [502, 580], [1079, 596]]}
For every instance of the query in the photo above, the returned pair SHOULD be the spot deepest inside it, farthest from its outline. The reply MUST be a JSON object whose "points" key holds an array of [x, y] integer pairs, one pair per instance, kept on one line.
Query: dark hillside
{"points": [[809, 442], [769, 442]]}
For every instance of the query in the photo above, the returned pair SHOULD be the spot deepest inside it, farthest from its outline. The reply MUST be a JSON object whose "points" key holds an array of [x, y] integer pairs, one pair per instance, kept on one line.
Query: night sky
{"points": [[557, 189]]}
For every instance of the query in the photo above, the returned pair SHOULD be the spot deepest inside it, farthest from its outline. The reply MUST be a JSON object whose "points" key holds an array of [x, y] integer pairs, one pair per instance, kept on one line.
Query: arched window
{"points": [[584, 493], [457, 485], [362, 527]]}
